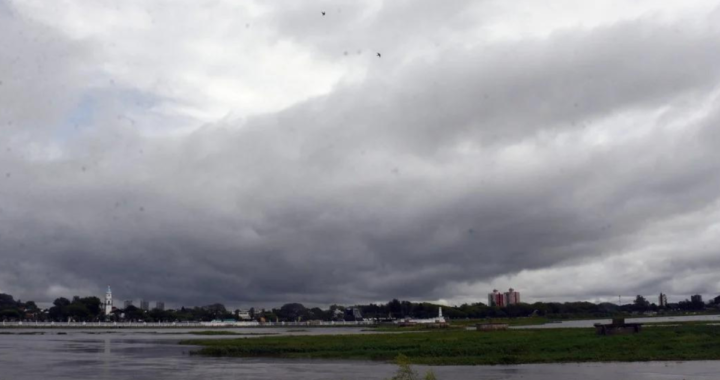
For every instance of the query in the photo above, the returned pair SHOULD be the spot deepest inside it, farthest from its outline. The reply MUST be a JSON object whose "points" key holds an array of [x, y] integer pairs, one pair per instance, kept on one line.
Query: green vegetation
{"points": [[461, 347], [11, 309], [405, 372]]}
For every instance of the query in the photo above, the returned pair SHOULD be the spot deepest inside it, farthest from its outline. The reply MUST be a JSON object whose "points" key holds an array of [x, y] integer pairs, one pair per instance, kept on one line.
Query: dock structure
{"points": [[618, 327]]}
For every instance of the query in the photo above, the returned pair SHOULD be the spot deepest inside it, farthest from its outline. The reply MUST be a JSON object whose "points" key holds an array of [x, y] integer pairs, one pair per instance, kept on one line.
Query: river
{"points": [[142, 354], [591, 322]]}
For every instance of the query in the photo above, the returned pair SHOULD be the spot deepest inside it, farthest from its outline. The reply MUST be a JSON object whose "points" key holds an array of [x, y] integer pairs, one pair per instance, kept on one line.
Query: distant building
{"points": [[353, 314], [499, 299], [357, 315], [108, 301], [435, 321], [496, 299], [512, 297], [128, 303], [159, 305], [662, 300], [244, 315], [144, 305]]}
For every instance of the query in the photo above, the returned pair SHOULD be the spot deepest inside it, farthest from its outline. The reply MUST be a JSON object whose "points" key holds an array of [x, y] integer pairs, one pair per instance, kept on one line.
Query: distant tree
{"points": [[372, 311], [62, 301], [157, 315], [454, 313], [133, 313], [91, 304], [78, 312], [10, 314], [337, 307], [337, 313], [317, 313], [31, 307], [213, 311], [476, 310], [7, 301], [406, 307], [608, 307], [519, 310], [395, 308], [697, 302], [640, 303], [59, 311], [292, 312]]}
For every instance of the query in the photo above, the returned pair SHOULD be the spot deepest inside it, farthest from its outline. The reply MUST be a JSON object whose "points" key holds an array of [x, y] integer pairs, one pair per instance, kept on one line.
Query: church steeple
{"points": [[108, 301]]}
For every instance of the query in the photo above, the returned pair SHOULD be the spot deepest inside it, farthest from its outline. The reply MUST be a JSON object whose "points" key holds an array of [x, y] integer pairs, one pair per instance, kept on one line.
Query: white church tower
{"points": [[108, 301]]}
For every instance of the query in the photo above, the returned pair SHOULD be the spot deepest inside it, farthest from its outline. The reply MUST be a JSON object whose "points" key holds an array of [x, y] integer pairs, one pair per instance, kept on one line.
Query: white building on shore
{"points": [[436, 320]]}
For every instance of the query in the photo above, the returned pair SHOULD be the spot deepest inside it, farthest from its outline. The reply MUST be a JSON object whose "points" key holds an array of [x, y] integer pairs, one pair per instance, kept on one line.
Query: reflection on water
{"points": [[156, 355]]}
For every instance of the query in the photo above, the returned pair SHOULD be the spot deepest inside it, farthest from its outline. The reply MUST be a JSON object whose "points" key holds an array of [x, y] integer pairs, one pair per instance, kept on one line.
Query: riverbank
{"points": [[453, 347], [179, 325]]}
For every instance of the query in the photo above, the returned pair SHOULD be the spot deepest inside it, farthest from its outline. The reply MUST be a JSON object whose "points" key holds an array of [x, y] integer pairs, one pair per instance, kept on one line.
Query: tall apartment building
{"points": [[144, 305], [127, 304], [159, 305], [662, 300], [512, 297], [499, 299], [496, 299]]}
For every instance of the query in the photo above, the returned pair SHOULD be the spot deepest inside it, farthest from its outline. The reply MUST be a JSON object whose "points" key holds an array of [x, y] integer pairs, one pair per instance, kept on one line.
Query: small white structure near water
{"points": [[437, 320]]}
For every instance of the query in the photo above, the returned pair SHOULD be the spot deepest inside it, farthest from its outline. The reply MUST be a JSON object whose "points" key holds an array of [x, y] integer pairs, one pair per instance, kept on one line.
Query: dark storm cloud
{"points": [[514, 89], [481, 162]]}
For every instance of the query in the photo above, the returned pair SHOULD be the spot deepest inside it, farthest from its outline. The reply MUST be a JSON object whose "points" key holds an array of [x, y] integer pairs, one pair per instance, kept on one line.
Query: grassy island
{"points": [[462, 347]]}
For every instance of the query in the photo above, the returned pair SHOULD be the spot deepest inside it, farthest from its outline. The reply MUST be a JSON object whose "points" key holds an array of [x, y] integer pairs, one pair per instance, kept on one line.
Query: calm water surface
{"points": [[592, 322], [143, 354]]}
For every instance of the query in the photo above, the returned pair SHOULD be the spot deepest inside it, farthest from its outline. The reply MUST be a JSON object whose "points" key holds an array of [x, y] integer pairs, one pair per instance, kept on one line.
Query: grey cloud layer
{"points": [[476, 163]]}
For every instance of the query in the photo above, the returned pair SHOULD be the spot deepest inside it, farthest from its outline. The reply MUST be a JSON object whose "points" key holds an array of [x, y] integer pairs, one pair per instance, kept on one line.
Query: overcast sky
{"points": [[257, 153]]}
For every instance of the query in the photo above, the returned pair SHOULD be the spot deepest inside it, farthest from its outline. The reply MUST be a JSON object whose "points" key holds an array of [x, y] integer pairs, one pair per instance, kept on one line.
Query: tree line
{"points": [[90, 309]]}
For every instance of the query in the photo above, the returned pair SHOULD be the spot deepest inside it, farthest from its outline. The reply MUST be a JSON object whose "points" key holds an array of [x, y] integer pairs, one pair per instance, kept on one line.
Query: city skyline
{"points": [[625, 300]]}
